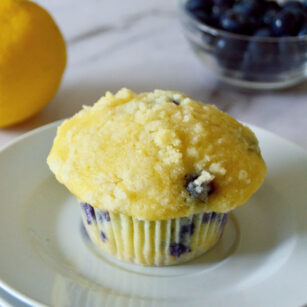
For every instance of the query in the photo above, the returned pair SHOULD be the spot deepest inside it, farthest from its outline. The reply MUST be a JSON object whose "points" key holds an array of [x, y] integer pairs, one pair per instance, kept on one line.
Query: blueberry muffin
{"points": [[156, 173]]}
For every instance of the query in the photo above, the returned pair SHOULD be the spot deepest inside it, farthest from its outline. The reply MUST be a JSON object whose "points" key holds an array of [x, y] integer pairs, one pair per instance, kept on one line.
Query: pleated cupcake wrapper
{"points": [[153, 243]]}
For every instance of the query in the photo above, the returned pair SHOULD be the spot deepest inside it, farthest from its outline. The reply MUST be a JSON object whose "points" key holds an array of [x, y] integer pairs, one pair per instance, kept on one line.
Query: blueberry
{"points": [[103, 237], [203, 17], [189, 178], [269, 17], [285, 23], [301, 18], [219, 8], [272, 5], [89, 212], [224, 220], [260, 56], [177, 249], [103, 216], [263, 32], [208, 217], [229, 52], [208, 39], [250, 7], [175, 102], [187, 229], [234, 21], [303, 30], [291, 55], [198, 5], [224, 3], [271, 10], [293, 5], [217, 12], [200, 192], [254, 23]]}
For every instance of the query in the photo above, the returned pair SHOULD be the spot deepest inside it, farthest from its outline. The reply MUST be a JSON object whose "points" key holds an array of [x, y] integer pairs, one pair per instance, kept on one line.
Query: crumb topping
{"points": [[130, 153]]}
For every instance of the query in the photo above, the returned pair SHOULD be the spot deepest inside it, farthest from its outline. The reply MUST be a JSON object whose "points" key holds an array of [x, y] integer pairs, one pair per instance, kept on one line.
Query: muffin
{"points": [[156, 173]]}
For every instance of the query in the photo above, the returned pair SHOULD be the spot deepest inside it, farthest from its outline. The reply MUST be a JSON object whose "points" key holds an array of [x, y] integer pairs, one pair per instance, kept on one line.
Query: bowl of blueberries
{"points": [[256, 44]]}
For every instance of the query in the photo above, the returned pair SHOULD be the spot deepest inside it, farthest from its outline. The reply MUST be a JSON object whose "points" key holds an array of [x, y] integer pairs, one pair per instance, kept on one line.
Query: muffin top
{"points": [[156, 156]]}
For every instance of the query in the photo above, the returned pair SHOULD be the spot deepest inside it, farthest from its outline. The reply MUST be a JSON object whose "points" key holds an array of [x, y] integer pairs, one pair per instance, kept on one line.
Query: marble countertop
{"points": [[139, 44]]}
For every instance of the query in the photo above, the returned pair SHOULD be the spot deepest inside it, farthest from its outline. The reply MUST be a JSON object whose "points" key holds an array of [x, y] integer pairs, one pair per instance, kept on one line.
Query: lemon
{"points": [[32, 60]]}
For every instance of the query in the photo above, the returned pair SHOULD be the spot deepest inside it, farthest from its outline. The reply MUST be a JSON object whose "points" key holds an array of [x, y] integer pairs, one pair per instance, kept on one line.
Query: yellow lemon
{"points": [[32, 59]]}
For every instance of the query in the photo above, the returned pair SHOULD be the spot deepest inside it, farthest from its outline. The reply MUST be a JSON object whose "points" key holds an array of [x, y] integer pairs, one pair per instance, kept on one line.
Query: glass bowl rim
{"points": [[217, 32]]}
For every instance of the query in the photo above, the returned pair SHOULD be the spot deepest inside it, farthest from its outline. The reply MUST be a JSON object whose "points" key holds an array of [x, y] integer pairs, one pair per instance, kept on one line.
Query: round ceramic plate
{"points": [[47, 259]]}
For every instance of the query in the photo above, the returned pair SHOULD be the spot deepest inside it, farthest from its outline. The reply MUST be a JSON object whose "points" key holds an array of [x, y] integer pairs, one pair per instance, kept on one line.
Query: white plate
{"points": [[45, 260], [7, 300]]}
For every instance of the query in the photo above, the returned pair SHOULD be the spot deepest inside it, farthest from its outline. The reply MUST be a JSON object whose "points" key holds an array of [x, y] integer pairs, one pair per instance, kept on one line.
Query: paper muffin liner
{"points": [[152, 243]]}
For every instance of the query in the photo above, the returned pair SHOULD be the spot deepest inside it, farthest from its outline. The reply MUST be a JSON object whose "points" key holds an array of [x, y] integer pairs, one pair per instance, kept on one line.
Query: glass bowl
{"points": [[247, 61]]}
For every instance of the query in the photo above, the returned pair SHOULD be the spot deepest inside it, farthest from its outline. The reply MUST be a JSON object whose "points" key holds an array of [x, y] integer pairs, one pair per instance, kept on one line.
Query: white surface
{"points": [[139, 44], [46, 260]]}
